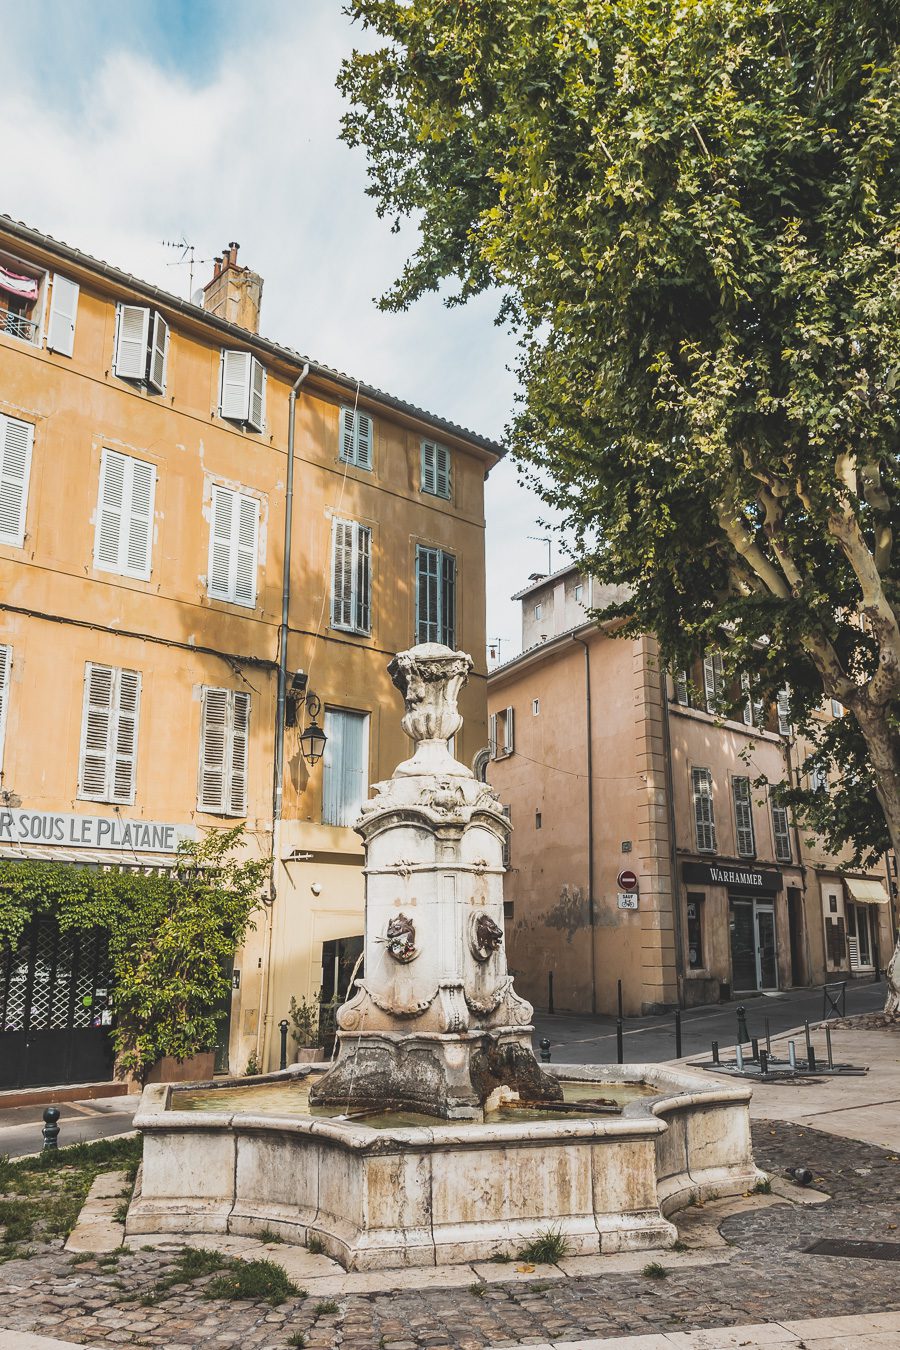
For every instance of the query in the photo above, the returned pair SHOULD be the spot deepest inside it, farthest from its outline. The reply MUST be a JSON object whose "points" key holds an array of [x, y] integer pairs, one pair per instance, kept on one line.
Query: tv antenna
{"points": [[187, 259], [543, 539]]}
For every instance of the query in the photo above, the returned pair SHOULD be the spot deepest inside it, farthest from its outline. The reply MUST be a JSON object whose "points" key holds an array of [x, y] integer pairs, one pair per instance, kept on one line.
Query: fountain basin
{"points": [[446, 1193]]}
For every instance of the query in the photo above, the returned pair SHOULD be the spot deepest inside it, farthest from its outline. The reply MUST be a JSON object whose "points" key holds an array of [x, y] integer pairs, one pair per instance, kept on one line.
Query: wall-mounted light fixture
{"points": [[312, 737]]}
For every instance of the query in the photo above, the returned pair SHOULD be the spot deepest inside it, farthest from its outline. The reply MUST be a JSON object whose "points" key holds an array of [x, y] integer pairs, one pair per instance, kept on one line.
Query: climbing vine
{"points": [[170, 937]]}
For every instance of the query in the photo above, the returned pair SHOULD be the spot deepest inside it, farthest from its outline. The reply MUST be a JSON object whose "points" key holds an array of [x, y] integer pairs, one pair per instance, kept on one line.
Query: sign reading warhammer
{"points": [[71, 831], [741, 878]]}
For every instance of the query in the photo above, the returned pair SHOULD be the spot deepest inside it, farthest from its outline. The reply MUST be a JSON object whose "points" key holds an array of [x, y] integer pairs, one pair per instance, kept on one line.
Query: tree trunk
{"points": [[884, 756]]}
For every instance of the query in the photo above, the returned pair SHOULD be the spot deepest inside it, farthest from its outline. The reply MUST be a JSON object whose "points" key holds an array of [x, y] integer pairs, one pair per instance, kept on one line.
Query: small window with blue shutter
{"points": [[356, 438], [435, 596], [435, 474], [345, 769]]}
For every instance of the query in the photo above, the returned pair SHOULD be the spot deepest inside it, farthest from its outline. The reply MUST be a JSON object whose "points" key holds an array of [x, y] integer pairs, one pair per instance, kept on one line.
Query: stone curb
{"points": [[97, 1230]]}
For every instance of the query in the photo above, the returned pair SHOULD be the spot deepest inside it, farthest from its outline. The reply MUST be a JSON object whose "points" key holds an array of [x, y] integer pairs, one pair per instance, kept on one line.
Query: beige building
{"points": [[610, 767], [148, 623]]}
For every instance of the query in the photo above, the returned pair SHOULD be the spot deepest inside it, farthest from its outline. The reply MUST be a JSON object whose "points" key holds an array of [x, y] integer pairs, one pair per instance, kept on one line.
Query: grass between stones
{"points": [[257, 1281], [40, 1197], [546, 1249]]}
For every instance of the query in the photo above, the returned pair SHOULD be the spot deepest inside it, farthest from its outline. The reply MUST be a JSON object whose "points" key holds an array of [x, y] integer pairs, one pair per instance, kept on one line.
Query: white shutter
{"points": [[509, 736], [132, 339], [257, 414], [492, 734], [5, 668], [140, 519], [782, 834], [245, 550], [213, 750], [704, 820], [713, 680], [159, 354], [240, 726], [111, 505], [748, 699], [123, 533], [363, 577], [16, 440], [783, 706], [220, 532], [342, 574], [681, 688], [109, 734], [363, 440], [234, 395], [429, 469], [124, 747], [63, 312], [743, 817]]}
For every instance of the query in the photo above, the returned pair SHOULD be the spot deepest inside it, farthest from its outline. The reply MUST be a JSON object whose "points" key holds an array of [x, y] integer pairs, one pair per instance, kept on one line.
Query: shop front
{"points": [[750, 896], [864, 895]]}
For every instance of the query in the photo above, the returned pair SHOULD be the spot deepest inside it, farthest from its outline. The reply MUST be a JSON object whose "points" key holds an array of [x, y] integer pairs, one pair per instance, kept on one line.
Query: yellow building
{"points": [[148, 624]]}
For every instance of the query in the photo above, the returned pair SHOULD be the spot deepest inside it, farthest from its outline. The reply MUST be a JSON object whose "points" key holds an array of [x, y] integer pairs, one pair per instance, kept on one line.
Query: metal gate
{"points": [[55, 1007]]}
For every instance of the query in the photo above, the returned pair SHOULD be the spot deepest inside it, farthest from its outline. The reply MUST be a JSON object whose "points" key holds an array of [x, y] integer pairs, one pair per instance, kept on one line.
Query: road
{"points": [[592, 1040], [79, 1122]]}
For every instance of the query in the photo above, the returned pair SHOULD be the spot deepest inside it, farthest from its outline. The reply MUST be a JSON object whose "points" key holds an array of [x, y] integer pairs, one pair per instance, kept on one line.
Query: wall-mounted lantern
{"points": [[312, 737]]}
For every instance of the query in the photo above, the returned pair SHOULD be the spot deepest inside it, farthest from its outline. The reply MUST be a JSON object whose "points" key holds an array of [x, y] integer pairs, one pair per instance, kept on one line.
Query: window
{"points": [[123, 532], [753, 711], [507, 838], [538, 611], [435, 596], [5, 669], [63, 313], [783, 707], [743, 817], [242, 390], [142, 346], [224, 732], [781, 832], [837, 708], [16, 440], [537, 820], [351, 549], [578, 593], [713, 680], [233, 538], [501, 733], [435, 477], [681, 689], [704, 820], [832, 904], [356, 438], [535, 707], [695, 929], [818, 779], [345, 777], [109, 729], [20, 301]]}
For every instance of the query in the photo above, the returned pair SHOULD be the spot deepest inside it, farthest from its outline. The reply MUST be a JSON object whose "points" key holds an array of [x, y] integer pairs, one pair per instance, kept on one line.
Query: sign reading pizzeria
{"points": [[71, 831], [732, 875]]}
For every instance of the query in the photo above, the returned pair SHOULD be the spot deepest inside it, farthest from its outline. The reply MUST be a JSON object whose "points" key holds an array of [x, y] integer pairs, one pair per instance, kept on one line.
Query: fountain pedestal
{"points": [[435, 1025]]}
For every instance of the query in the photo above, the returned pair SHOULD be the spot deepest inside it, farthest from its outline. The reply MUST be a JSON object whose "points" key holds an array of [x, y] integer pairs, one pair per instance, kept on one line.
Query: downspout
{"points": [[590, 798], [264, 1027], [673, 843], [820, 922]]}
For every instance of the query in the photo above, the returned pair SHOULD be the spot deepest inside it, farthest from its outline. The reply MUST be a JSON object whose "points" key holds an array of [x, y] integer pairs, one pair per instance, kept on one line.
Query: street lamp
{"points": [[312, 737]]}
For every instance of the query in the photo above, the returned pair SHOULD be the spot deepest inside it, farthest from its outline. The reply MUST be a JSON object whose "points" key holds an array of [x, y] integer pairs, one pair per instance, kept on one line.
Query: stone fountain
{"points": [[436, 1025]]}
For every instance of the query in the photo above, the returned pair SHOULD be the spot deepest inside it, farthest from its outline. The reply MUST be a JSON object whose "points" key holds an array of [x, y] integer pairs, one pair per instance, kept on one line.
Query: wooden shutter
{"points": [[245, 550], [123, 535], [348, 440], [159, 354], [211, 794], [5, 668], [713, 680], [345, 771], [429, 467], [743, 817], [782, 834], [363, 440], [342, 574], [257, 414], [363, 608], [109, 734], [492, 734], [124, 747], [509, 731], [132, 339], [234, 387], [448, 600], [16, 440], [748, 699], [427, 594], [220, 533], [233, 546], [63, 312], [701, 781], [139, 522], [783, 707], [681, 688], [110, 510], [240, 733], [442, 470]]}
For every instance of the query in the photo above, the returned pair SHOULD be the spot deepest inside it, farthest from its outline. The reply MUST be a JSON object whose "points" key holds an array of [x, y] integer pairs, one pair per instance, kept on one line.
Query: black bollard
{"points": [[545, 1050], [811, 1058], [828, 1049], [715, 1052], [550, 1007], [677, 1033], [620, 1043], [808, 1039], [763, 1062], [283, 1027], [743, 1034], [51, 1129], [754, 1048], [768, 1038]]}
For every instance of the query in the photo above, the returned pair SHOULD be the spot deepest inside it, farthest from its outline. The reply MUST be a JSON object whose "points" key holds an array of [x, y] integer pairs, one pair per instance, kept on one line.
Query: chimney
{"points": [[234, 293]]}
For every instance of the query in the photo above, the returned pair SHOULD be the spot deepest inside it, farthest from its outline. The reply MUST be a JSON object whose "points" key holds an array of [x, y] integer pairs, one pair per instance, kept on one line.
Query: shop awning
{"points": [[865, 891], [86, 857]]}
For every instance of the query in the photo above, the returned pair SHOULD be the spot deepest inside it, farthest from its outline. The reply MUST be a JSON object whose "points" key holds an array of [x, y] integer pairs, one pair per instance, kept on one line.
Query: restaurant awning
{"points": [[865, 891], [86, 857]]}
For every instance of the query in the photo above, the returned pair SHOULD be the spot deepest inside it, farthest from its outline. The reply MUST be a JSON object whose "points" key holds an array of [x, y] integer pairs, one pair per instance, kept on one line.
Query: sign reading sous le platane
{"points": [[71, 831], [738, 877]]}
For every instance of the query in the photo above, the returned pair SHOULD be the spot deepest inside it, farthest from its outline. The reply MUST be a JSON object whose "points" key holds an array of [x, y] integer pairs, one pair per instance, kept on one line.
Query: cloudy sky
{"points": [[124, 123]]}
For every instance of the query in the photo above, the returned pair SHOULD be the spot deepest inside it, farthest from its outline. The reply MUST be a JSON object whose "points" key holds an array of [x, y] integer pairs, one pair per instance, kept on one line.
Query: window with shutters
{"points": [[5, 671], [224, 732], [783, 708], [16, 441], [435, 596], [781, 832], [743, 817], [242, 390], [356, 438], [141, 346], [682, 696], [63, 313], [22, 290], [501, 733], [233, 541], [753, 708], [123, 530], [713, 681], [345, 772], [351, 576], [704, 819], [435, 475], [109, 729]]}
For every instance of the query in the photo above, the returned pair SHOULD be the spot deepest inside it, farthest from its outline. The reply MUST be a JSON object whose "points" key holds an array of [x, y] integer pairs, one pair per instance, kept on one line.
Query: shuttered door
{"points": [[63, 311], [345, 767], [16, 439]]}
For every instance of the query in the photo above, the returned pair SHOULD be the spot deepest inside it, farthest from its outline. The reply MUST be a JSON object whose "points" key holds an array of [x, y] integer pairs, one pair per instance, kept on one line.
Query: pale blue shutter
{"points": [[448, 600], [363, 579], [345, 769], [427, 595]]}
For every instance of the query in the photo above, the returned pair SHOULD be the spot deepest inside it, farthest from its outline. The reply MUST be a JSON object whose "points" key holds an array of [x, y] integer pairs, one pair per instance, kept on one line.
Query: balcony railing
{"points": [[16, 325]]}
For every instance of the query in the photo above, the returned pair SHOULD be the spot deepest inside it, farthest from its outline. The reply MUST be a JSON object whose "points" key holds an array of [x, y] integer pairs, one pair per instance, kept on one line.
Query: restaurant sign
{"points": [[737, 876], [70, 831]]}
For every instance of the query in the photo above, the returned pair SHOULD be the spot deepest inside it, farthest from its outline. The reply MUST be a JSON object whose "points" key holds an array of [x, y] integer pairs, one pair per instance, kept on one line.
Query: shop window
{"points": [[695, 902]]}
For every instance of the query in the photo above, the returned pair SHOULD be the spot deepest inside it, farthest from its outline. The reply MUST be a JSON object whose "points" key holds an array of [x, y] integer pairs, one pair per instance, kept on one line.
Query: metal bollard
{"points": [[715, 1052], [763, 1062], [754, 1049], [677, 1033], [811, 1059], [545, 1050], [792, 1055], [739, 1058], [828, 1046], [768, 1039], [51, 1129], [743, 1033], [808, 1039], [283, 1027]]}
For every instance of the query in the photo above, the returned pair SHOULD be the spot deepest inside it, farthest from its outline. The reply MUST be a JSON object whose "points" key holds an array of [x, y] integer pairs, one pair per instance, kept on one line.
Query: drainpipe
{"points": [[263, 1029], [795, 830], [590, 792], [673, 843]]}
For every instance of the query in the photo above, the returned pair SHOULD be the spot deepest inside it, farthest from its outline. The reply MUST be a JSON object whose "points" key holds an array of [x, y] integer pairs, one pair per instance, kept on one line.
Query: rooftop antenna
{"points": [[495, 648], [543, 539], [187, 259]]}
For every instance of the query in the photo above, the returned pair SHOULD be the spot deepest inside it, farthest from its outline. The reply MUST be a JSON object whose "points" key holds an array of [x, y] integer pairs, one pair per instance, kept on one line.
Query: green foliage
{"points": [[547, 1248], [259, 1281], [691, 209], [297, 1338], [304, 1019], [315, 1245], [654, 1271], [326, 1309], [170, 937], [763, 1186]]}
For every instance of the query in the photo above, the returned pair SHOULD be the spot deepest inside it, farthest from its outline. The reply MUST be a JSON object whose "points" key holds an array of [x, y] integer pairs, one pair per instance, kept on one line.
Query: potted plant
{"points": [[304, 1019]]}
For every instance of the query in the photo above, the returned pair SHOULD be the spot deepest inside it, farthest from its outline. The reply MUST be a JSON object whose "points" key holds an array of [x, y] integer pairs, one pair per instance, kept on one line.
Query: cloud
{"points": [[213, 123]]}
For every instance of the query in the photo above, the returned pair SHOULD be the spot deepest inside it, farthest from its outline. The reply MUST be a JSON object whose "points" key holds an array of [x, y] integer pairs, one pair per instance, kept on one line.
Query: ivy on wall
{"points": [[170, 936]]}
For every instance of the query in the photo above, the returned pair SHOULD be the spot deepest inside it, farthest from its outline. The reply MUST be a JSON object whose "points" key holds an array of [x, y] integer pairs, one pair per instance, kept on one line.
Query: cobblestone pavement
{"points": [[770, 1278]]}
